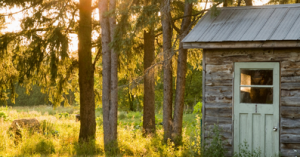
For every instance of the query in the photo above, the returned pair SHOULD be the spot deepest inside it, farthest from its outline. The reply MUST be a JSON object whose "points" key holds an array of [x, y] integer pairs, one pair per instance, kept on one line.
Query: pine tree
{"points": [[167, 48], [149, 79], [86, 73], [40, 54]]}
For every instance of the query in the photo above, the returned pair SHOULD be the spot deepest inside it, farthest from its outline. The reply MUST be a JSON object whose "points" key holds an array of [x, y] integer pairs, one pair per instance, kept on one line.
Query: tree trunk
{"points": [[225, 3], [108, 63], [248, 2], [239, 2], [297, 1], [149, 84], [181, 73], [86, 73], [167, 47], [113, 113]]}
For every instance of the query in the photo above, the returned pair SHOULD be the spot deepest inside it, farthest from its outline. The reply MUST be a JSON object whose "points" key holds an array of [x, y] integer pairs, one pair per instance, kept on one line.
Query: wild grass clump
{"points": [[37, 145], [48, 128]]}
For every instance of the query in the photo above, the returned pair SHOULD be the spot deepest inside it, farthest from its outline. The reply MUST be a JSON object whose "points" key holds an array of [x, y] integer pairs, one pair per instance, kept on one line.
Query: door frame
{"points": [[235, 86]]}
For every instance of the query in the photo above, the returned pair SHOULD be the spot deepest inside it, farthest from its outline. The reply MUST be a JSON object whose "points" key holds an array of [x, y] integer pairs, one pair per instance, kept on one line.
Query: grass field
{"points": [[59, 134]]}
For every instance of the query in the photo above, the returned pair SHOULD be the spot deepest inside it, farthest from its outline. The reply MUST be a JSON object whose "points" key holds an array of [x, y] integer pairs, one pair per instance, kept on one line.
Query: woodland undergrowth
{"points": [[59, 132]]}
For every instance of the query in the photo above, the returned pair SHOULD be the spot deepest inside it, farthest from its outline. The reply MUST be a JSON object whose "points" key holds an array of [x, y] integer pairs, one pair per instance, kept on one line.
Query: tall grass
{"points": [[59, 135]]}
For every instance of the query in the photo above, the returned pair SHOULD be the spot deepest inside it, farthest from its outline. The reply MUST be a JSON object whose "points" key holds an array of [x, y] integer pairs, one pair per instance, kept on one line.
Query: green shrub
{"points": [[245, 152], [198, 109], [194, 141], [45, 147], [47, 128], [216, 147], [37, 145], [65, 114], [3, 115]]}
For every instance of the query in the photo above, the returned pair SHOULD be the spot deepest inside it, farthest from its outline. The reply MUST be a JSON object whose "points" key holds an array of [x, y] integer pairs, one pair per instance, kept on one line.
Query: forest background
{"points": [[129, 58]]}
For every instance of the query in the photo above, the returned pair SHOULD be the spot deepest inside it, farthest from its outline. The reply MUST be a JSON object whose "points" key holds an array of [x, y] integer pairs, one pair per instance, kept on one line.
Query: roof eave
{"points": [[242, 44]]}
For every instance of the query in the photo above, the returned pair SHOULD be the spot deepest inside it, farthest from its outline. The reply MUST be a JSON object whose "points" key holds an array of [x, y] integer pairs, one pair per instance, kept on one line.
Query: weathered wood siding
{"points": [[219, 92]]}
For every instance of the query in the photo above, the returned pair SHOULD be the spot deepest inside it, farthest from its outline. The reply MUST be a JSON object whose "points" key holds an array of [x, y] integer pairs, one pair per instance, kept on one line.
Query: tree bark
{"points": [[86, 73], [225, 3], [149, 84], [167, 47], [181, 73], [108, 84], [113, 113], [239, 2]]}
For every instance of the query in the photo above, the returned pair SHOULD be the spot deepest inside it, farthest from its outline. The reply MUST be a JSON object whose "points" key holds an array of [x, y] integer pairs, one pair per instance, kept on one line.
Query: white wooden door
{"points": [[256, 106]]}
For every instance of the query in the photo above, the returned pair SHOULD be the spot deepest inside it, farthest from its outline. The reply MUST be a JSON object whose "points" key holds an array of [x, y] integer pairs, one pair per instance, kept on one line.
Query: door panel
{"points": [[256, 106], [269, 145]]}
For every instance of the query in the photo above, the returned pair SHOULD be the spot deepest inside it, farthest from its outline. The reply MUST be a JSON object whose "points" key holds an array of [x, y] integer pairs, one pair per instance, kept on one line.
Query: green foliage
{"points": [[99, 121], [39, 54], [195, 140], [198, 109], [274, 2], [65, 115], [3, 115], [131, 141], [33, 98], [122, 115], [215, 148], [47, 128], [245, 152], [43, 147], [134, 114], [157, 120], [86, 148], [193, 90]]}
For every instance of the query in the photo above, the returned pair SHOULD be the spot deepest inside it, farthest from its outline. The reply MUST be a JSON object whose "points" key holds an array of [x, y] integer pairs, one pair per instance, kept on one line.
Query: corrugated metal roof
{"points": [[255, 23]]}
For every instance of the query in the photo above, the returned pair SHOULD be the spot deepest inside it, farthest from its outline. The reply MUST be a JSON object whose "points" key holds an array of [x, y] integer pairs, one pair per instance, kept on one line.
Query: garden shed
{"points": [[251, 76]]}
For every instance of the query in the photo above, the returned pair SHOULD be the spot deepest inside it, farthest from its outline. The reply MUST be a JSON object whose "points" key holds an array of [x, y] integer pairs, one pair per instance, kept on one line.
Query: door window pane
{"points": [[256, 77], [256, 95]]}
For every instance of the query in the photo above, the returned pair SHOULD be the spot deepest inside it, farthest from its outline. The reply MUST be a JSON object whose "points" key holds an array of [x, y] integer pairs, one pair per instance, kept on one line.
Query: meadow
{"points": [[59, 131]]}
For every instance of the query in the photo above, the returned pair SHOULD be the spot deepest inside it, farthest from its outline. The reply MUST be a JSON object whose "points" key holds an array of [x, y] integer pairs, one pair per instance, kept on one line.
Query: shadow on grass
{"points": [[87, 148], [112, 149], [91, 149], [43, 147]]}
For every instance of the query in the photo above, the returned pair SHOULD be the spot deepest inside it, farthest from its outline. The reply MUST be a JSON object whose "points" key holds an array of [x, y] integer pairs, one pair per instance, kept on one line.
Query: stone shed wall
{"points": [[218, 88]]}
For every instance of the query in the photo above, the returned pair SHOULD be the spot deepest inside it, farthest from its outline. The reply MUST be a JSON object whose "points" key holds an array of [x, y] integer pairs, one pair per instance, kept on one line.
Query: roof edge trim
{"points": [[242, 44], [262, 6]]}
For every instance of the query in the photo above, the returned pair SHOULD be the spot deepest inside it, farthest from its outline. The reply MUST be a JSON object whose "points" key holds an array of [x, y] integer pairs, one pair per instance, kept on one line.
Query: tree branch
{"points": [[158, 34], [97, 58], [16, 12], [173, 24]]}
